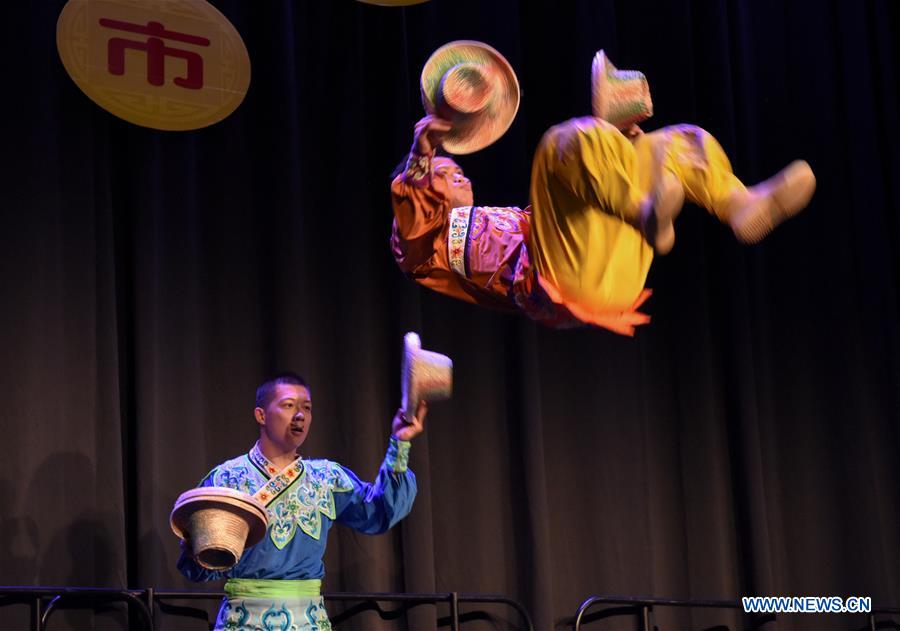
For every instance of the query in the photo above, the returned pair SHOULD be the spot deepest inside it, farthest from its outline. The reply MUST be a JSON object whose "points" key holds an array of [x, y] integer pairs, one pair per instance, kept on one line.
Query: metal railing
{"points": [[143, 603], [44, 601]]}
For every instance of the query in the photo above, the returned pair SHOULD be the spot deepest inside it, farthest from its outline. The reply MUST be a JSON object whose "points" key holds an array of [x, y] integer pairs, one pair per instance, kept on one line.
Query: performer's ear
{"points": [[260, 415]]}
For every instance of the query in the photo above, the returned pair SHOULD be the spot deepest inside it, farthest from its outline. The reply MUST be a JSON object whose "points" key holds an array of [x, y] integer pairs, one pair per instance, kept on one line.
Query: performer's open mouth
{"points": [[296, 429]]}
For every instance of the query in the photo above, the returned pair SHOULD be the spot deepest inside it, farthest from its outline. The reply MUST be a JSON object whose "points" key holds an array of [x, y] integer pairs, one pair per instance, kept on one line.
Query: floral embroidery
{"points": [[418, 168], [233, 618], [397, 458], [237, 478], [468, 223], [261, 462], [281, 481], [317, 617], [310, 497], [456, 238], [277, 619], [501, 219], [258, 614]]}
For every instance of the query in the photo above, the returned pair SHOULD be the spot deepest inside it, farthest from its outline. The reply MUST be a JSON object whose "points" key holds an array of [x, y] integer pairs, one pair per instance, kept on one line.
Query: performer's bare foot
{"points": [[658, 212], [762, 207]]}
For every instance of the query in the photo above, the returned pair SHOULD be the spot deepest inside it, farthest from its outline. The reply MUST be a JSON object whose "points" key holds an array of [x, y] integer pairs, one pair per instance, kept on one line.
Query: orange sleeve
{"points": [[419, 236], [421, 205]]}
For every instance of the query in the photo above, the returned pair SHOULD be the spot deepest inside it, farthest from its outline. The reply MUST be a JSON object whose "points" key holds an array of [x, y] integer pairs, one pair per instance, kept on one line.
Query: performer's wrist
{"points": [[418, 168], [422, 153], [397, 457]]}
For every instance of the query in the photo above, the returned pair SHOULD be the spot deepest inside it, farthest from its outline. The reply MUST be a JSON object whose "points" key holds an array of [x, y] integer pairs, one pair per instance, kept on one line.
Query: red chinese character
{"points": [[156, 52]]}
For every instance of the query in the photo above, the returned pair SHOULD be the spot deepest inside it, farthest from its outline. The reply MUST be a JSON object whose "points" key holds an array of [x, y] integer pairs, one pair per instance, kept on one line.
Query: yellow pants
{"points": [[587, 183]]}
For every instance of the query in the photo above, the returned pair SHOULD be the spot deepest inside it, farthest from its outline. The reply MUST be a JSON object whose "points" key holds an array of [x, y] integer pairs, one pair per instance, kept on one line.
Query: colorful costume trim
{"points": [[397, 458], [458, 239], [304, 503], [418, 169], [297, 613]]}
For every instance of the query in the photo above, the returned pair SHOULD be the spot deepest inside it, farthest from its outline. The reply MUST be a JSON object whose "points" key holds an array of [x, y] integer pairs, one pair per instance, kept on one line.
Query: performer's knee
{"points": [[689, 130]]}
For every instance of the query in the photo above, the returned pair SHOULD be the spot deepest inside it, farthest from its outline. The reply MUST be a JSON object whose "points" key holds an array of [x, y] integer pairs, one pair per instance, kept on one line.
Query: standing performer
{"points": [[278, 580], [604, 196]]}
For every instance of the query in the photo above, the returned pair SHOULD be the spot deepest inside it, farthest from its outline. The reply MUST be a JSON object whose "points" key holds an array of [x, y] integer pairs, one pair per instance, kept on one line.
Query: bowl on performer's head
{"points": [[220, 523], [473, 86], [424, 375], [621, 97]]}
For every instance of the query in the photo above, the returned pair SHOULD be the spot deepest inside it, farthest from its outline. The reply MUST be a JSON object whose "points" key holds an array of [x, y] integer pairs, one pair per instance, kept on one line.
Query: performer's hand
{"points": [[429, 134], [407, 428], [624, 322]]}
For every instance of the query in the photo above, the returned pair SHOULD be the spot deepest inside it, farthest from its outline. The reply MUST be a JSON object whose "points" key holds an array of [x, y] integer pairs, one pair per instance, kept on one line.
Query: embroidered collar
{"points": [[277, 481], [261, 462]]}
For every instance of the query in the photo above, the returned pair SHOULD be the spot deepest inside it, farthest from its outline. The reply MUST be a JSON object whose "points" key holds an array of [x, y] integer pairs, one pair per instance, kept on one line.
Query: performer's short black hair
{"points": [[266, 390]]}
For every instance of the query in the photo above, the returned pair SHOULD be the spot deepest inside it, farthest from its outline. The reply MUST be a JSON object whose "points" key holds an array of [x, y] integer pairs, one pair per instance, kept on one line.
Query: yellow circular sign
{"points": [[165, 64]]}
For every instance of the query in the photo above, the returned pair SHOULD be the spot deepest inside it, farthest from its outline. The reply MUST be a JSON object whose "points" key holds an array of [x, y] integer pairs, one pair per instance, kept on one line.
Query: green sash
{"points": [[267, 588]]}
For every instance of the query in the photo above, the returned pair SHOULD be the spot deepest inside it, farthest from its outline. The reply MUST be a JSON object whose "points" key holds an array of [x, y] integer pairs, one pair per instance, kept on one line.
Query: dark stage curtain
{"points": [[744, 443]]}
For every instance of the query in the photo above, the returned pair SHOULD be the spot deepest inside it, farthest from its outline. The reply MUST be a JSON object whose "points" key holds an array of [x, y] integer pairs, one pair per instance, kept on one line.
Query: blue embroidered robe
{"points": [[303, 501]]}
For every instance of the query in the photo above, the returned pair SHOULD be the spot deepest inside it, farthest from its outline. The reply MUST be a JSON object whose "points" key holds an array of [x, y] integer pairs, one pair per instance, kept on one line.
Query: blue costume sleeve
{"points": [[195, 572], [374, 508]]}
